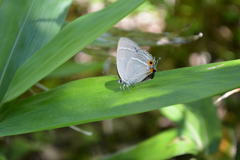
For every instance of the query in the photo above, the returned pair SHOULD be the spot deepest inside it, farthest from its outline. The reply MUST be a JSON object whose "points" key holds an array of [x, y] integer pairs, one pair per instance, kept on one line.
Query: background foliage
{"points": [[191, 126]]}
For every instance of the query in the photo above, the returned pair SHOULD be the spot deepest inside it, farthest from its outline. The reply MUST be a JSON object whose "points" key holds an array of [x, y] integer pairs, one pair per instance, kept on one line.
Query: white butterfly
{"points": [[134, 64]]}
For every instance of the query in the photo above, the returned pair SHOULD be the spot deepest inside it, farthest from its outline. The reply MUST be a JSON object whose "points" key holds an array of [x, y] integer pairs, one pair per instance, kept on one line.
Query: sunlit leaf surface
{"points": [[100, 98]]}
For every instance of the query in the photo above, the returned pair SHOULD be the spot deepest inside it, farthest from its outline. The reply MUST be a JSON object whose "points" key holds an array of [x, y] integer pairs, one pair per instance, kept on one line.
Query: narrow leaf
{"points": [[100, 98], [199, 121], [74, 37], [26, 26], [160, 147]]}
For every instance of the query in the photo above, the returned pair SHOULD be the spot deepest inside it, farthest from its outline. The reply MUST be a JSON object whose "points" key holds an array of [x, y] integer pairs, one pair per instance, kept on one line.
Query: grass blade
{"points": [[199, 121], [26, 26], [160, 147], [94, 99], [74, 37]]}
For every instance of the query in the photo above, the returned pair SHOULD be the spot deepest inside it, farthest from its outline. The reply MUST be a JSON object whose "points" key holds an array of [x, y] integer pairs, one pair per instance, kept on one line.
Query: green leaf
{"points": [[198, 129], [1, 156], [26, 26], [74, 37], [160, 147], [94, 99], [199, 121]]}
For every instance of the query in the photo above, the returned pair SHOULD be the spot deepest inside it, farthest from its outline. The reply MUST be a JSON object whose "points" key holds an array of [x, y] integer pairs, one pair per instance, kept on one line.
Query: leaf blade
{"points": [[67, 43], [199, 121], [167, 142], [100, 98], [29, 26]]}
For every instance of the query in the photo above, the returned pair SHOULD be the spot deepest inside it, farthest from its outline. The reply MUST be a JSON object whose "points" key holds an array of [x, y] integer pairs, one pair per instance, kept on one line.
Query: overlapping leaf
{"points": [[26, 26], [74, 37]]}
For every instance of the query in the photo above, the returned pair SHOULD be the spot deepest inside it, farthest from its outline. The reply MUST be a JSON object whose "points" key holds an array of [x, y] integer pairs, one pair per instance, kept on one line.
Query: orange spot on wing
{"points": [[150, 63], [152, 70]]}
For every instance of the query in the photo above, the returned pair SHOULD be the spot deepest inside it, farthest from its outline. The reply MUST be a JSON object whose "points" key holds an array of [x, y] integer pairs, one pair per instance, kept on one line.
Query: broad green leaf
{"points": [[160, 147], [71, 68], [26, 26], [199, 121], [70, 40], [99, 98]]}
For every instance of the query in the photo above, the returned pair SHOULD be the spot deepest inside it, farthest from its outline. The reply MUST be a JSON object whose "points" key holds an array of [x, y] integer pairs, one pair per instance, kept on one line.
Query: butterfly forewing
{"points": [[132, 62]]}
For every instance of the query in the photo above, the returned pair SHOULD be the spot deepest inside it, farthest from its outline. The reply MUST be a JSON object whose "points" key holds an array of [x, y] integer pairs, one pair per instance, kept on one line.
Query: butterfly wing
{"points": [[132, 62], [126, 49], [127, 43], [137, 68]]}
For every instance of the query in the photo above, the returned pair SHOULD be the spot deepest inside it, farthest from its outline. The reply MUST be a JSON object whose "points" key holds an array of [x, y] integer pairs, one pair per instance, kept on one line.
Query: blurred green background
{"points": [[170, 23]]}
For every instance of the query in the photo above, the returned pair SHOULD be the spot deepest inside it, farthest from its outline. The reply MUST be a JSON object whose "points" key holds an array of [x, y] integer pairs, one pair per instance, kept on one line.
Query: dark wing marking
{"points": [[150, 76]]}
